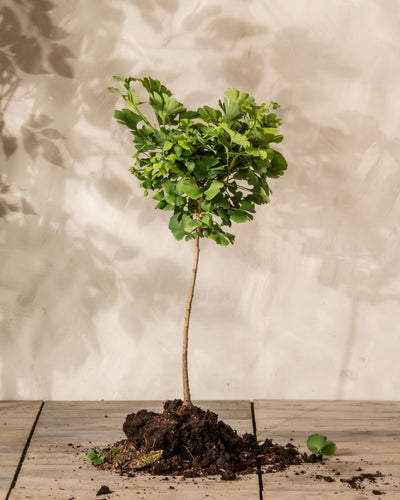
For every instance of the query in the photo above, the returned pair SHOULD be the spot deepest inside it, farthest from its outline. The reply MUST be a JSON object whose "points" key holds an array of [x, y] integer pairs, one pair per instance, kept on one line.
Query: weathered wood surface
{"points": [[16, 421], [367, 435], [55, 467]]}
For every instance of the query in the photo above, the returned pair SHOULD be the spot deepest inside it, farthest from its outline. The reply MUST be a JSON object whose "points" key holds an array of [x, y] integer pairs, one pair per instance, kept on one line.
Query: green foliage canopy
{"points": [[208, 167]]}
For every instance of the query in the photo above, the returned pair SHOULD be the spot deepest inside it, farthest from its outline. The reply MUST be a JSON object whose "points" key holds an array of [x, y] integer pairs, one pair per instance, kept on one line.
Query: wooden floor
{"points": [[43, 448]]}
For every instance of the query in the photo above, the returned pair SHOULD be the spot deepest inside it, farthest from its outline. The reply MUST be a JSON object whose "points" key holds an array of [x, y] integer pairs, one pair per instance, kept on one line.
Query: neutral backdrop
{"points": [[93, 285]]}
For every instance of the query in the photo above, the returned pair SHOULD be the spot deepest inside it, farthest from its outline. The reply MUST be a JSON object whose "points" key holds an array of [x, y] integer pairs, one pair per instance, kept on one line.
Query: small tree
{"points": [[208, 167]]}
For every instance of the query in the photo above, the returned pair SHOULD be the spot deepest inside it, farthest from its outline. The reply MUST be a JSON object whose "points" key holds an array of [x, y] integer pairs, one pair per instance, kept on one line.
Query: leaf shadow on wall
{"points": [[58, 274], [163, 286], [153, 12], [29, 45], [233, 58], [344, 212]]}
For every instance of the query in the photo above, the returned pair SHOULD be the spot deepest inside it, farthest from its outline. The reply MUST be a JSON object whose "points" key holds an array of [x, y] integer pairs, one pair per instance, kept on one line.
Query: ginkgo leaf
{"points": [[320, 445], [189, 187], [213, 190], [210, 115], [127, 117]]}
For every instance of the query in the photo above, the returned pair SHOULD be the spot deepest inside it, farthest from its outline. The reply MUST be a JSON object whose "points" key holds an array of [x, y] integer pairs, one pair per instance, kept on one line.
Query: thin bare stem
{"points": [[187, 400], [186, 390]]}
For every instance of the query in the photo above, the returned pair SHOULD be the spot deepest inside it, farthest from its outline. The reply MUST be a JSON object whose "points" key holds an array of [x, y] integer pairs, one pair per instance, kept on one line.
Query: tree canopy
{"points": [[209, 167]]}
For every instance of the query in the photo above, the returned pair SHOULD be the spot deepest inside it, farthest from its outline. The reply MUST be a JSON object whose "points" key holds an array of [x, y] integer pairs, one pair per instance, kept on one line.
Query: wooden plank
{"points": [[16, 421], [55, 467], [367, 437]]}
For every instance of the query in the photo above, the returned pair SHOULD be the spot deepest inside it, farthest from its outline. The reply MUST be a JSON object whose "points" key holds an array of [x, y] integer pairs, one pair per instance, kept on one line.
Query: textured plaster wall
{"points": [[92, 284]]}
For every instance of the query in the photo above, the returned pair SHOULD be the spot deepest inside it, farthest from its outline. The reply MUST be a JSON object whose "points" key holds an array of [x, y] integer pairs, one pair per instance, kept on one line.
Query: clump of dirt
{"points": [[188, 441], [104, 490]]}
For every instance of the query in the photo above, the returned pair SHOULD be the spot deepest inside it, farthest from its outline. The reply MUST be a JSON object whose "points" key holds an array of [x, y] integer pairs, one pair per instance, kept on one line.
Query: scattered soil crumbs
{"points": [[328, 479], [356, 481], [190, 442]]}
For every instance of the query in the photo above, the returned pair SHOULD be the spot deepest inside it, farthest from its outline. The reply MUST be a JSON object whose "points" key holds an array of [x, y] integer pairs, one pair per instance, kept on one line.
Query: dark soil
{"points": [[356, 481], [104, 490], [194, 443]]}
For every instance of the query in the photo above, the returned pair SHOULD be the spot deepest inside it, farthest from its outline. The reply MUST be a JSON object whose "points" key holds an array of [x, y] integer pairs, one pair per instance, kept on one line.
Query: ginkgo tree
{"points": [[207, 167]]}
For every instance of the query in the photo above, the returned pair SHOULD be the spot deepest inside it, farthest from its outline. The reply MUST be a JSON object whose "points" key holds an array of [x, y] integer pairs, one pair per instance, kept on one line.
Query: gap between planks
{"points": [[24, 451]]}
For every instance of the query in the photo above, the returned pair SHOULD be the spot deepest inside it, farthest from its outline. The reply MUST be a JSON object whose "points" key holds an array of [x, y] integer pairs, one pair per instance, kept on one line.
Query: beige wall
{"points": [[93, 285]]}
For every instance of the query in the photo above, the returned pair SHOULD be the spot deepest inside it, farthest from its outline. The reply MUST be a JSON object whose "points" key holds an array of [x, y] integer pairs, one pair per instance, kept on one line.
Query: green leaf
{"points": [[189, 187], [238, 215], [191, 236], [127, 117], [213, 190], [172, 107], [278, 165], [329, 449], [206, 219], [180, 200], [113, 90], [272, 135], [133, 98], [219, 239], [159, 196], [252, 179], [236, 104], [171, 198], [231, 111], [190, 166], [203, 165], [167, 145], [261, 153], [264, 195], [91, 454], [184, 144], [207, 205], [169, 186], [247, 205], [118, 79], [174, 168], [163, 205], [191, 224], [319, 445], [164, 106], [210, 115], [177, 226], [261, 167], [94, 458], [235, 137], [265, 135], [239, 98], [154, 86], [188, 115]]}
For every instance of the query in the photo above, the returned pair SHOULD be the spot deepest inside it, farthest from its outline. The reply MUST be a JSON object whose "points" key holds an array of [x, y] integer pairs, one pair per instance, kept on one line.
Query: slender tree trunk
{"points": [[186, 390]]}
